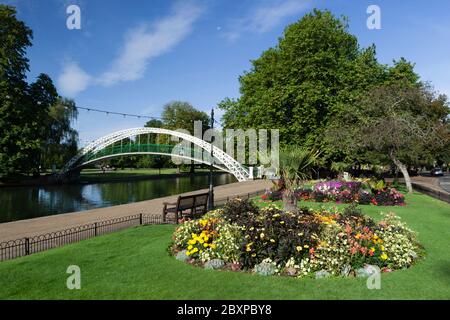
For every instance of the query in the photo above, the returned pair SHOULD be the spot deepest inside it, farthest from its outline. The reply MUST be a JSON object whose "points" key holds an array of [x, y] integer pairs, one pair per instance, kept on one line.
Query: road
{"points": [[445, 182]]}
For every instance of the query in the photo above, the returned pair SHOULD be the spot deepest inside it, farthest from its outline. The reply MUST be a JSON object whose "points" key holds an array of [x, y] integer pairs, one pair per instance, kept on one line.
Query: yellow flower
{"points": [[382, 248], [253, 255], [299, 248], [188, 253], [384, 256], [192, 241], [212, 246], [189, 247], [271, 240], [305, 246], [358, 236], [194, 250], [281, 222], [261, 235], [205, 245]]}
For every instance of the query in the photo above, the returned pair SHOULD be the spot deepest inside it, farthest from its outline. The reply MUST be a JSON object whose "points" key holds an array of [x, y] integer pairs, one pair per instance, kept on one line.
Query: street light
{"points": [[211, 161]]}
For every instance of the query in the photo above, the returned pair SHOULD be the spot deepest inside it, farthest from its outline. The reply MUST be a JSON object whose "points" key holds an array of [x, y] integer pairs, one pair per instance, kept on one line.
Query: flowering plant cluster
{"points": [[362, 192], [320, 241], [208, 238]]}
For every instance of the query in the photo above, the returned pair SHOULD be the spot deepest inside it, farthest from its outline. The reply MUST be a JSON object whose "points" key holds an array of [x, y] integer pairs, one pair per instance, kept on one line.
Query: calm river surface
{"points": [[18, 203]]}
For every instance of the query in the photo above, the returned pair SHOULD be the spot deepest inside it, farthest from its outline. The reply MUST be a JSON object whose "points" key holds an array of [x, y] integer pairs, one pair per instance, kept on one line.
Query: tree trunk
{"points": [[289, 201], [404, 171]]}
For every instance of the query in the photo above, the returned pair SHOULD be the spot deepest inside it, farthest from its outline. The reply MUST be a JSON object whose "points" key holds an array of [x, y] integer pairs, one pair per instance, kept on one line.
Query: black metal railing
{"points": [[29, 245]]}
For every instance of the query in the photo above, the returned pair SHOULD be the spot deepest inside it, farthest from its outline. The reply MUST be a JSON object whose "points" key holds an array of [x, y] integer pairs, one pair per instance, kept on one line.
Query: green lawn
{"points": [[134, 264]]}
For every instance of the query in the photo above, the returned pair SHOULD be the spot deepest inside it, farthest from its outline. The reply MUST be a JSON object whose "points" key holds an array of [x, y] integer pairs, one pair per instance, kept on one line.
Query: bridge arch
{"points": [[226, 162]]}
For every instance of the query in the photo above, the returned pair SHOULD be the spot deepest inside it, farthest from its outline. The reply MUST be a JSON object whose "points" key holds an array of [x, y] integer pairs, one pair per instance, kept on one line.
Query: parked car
{"points": [[436, 172]]}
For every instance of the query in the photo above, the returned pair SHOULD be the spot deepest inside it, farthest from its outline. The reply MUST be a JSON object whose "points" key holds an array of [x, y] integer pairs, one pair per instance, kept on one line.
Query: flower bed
{"points": [[362, 192], [267, 241]]}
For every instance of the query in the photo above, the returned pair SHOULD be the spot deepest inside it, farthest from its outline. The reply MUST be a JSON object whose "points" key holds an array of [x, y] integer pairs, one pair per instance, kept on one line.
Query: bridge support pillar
{"points": [[250, 173]]}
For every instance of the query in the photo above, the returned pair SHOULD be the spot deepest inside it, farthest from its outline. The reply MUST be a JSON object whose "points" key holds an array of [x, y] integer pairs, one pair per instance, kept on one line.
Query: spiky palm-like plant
{"points": [[295, 167]]}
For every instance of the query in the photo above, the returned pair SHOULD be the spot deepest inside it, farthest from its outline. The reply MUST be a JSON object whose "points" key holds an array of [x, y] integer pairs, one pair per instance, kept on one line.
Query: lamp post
{"points": [[211, 186]]}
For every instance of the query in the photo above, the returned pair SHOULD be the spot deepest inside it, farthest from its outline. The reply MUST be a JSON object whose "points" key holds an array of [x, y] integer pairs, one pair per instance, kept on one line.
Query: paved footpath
{"points": [[445, 182], [26, 228]]}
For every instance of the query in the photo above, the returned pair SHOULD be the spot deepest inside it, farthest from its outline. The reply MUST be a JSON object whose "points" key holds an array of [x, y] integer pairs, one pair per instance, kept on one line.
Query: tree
{"points": [[295, 166], [17, 140], [182, 115], [35, 122], [43, 95], [298, 85], [60, 140], [399, 121]]}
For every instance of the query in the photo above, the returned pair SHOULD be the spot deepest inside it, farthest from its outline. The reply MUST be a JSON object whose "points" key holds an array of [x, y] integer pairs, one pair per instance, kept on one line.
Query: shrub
{"points": [[310, 242], [278, 235], [365, 192], [266, 268], [208, 238], [214, 264], [238, 211]]}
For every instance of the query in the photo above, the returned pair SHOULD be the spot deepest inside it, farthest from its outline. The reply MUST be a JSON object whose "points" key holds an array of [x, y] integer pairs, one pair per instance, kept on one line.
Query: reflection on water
{"points": [[17, 203]]}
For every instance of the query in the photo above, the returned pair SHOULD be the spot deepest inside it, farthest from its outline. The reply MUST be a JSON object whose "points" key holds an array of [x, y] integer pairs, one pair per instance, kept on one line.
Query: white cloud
{"points": [[265, 17], [73, 80], [141, 45], [144, 44]]}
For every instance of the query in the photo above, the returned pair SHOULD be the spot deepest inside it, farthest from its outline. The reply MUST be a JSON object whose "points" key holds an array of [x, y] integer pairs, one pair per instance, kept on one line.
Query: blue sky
{"points": [[135, 56]]}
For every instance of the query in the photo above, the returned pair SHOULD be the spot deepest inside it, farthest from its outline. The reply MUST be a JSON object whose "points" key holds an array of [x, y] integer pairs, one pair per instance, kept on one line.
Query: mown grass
{"points": [[134, 264]]}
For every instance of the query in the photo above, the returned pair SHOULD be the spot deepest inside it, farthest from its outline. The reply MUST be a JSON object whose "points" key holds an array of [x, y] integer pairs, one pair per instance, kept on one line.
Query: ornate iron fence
{"points": [[29, 245]]}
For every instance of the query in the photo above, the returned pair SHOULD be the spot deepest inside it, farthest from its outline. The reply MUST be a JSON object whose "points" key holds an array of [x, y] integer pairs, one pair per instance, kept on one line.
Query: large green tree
{"points": [[397, 121], [35, 122], [182, 115], [297, 86], [17, 140]]}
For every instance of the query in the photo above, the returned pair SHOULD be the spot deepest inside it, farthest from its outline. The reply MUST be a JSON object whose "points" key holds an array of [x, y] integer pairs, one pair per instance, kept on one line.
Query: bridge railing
{"points": [[195, 153]]}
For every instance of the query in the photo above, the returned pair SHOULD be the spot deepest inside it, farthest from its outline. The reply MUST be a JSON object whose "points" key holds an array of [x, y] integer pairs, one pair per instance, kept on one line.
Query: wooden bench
{"points": [[191, 206]]}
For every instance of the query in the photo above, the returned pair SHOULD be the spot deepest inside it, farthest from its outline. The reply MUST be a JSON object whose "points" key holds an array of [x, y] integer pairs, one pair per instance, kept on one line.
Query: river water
{"points": [[18, 203]]}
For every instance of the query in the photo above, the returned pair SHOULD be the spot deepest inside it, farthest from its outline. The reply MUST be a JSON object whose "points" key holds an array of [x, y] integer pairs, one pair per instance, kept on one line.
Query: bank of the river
{"points": [[97, 176], [26, 202], [36, 226], [88, 176]]}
